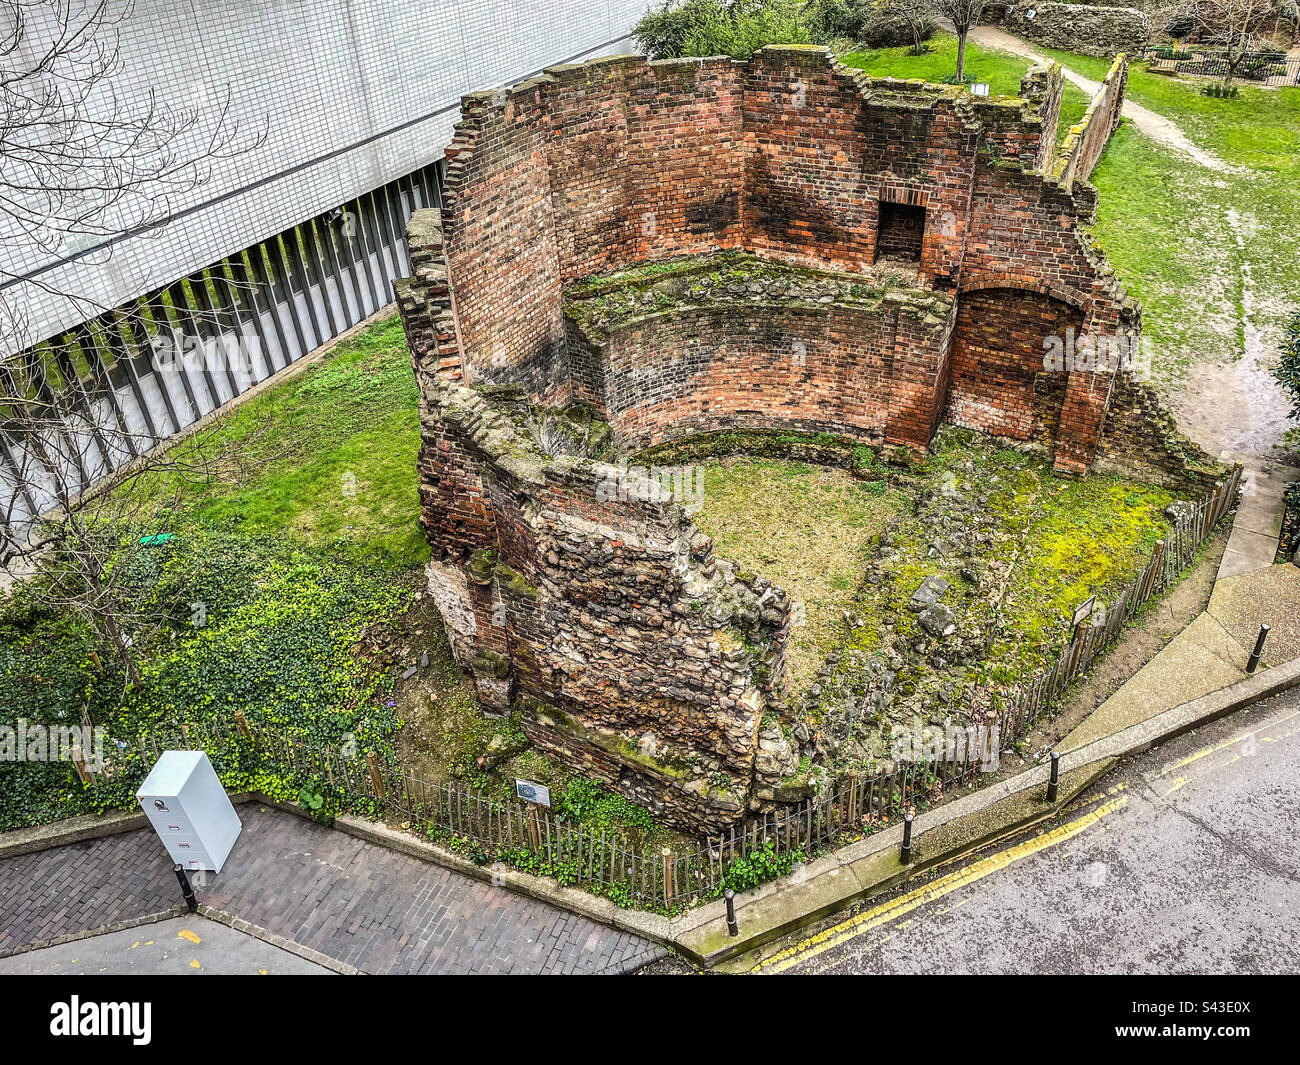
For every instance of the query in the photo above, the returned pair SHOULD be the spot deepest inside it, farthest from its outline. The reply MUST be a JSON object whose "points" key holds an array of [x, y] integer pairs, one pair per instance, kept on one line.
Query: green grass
{"points": [[326, 458], [806, 527], [1181, 237], [1019, 547], [1001, 70], [1056, 541]]}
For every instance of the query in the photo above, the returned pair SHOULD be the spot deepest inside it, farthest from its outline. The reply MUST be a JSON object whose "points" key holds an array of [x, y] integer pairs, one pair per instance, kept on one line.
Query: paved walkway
{"points": [[1258, 524], [179, 946], [357, 903]]}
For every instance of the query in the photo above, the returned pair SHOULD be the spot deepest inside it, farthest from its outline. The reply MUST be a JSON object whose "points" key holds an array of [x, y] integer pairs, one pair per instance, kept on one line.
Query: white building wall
{"points": [[350, 94]]}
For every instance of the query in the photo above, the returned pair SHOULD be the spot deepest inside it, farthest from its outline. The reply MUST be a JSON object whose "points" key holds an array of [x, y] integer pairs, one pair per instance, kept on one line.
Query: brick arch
{"points": [[998, 382], [1067, 294]]}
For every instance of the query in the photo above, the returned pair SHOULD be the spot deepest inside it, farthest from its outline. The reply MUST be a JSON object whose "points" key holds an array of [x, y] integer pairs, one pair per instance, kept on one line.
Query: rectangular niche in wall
{"points": [[900, 232]]}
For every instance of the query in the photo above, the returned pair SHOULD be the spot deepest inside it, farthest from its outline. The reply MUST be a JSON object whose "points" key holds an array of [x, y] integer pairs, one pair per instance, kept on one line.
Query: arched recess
{"points": [[999, 383]]}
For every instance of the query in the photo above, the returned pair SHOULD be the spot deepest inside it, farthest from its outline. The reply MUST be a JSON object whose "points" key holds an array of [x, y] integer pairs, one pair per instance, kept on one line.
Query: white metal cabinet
{"points": [[189, 809]]}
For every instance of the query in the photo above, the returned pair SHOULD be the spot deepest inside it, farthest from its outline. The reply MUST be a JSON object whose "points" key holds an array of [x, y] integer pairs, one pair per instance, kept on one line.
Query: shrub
{"points": [[716, 27], [868, 22], [1287, 370], [1218, 91]]}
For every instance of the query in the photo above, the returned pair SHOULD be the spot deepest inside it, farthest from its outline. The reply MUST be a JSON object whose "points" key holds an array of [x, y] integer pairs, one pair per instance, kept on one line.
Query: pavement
{"points": [[1184, 860], [178, 946], [1258, 524], [316, 891]]}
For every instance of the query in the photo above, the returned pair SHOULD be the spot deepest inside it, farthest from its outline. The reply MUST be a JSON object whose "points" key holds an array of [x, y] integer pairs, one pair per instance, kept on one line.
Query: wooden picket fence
{"points": [[488, 828]]}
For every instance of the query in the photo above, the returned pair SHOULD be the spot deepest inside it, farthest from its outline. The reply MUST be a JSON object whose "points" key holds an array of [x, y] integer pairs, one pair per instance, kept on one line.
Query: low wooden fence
{"points": [[487, 828]]}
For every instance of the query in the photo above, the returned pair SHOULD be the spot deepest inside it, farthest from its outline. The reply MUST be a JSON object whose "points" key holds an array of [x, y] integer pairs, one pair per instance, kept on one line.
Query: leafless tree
{"points": [[963, 14], [1238, 27], [84, 160]]}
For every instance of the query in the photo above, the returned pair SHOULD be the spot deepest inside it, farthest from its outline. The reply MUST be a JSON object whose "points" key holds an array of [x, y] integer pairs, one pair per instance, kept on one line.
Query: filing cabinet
{"points": [[189, 809]]}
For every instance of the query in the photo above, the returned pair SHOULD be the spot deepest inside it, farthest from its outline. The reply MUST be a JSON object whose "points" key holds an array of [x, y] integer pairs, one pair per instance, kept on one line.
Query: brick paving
{"points": [[357, 903], [83, 887]]}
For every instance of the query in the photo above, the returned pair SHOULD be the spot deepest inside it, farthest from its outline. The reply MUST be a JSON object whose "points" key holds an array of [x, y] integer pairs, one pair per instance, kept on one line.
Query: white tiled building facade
{"points": [[350, 94]]}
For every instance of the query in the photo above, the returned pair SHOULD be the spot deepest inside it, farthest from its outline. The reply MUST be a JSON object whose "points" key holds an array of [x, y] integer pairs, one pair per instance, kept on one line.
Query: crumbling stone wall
{"points": [[1141, 439], [1082, 28], [631, 253]]}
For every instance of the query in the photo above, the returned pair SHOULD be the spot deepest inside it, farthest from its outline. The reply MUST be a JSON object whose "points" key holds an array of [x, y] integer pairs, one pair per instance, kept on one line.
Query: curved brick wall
{"points": [[705, 371], [698, 245], [797, 350], [607, 166]]}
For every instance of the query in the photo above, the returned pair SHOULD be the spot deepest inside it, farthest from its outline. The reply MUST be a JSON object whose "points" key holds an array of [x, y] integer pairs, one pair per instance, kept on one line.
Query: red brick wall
{"points": [[999, 385], [501, 242], [604, 165], [645, 161], [716, 368]]}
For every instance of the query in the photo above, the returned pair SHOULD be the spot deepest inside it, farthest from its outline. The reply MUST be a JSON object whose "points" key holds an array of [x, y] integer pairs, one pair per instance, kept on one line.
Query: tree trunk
{"points": [[108, 625], [961, 56]]}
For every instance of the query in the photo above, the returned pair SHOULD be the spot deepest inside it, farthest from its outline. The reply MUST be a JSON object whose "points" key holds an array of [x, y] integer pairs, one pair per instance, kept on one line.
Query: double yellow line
{"points": [[804, 951]]}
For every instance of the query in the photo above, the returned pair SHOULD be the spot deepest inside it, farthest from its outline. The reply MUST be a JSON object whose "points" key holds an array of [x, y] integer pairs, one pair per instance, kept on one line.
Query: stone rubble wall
{"points": [[575, 262], [1082, 28], [573, 592], [1141, 439]]}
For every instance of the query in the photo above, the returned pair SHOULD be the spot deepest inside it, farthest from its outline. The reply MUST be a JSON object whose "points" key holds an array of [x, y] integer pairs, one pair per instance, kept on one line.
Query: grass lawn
{"points": [[306, 559], [1184, 240], [327, 457], [1001, 70], [1019, 547], [811, 525]]}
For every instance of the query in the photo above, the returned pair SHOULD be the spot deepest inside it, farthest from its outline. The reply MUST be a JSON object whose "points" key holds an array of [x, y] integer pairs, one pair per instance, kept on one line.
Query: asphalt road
{"points": [[1184, 860], [180, 946]]}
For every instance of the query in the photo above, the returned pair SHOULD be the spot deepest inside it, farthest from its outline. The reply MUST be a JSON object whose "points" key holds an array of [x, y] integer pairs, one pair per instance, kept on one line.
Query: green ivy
{"points": [[278, 637], [758, 867]]}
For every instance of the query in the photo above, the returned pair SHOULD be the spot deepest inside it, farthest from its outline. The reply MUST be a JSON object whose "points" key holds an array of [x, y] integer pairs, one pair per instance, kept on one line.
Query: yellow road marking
{"points": [[1096, 796], [1206, 751], [895, 908], [185, 933]]}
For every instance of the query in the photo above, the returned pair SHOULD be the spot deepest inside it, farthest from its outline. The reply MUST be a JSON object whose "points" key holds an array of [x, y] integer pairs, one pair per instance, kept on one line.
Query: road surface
{"points": [[1183, 860]]}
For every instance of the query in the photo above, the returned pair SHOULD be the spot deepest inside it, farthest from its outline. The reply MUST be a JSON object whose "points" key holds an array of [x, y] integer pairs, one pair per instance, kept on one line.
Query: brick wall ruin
{"points": [[631, 253]]}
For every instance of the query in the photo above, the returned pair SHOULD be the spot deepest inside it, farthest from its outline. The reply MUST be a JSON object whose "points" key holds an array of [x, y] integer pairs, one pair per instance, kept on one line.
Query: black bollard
{"points": [[1054, 781], [191, 903], [905, 853], [1253, 663], [733, 929]]}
